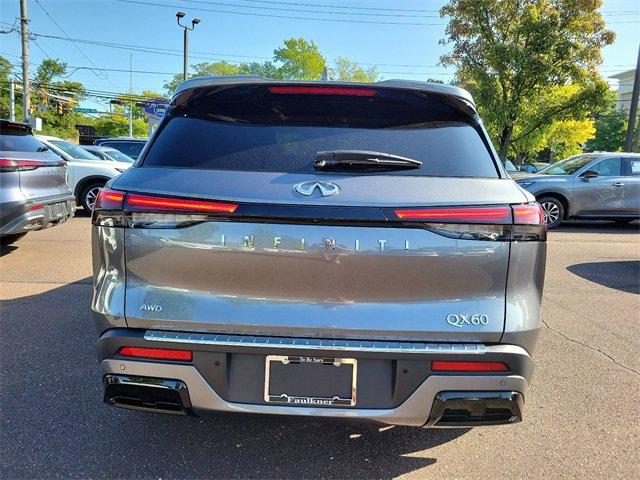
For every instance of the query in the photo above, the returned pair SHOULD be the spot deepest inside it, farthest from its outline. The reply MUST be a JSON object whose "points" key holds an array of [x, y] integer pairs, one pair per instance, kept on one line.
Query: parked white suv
{"points": [[87, 173]]}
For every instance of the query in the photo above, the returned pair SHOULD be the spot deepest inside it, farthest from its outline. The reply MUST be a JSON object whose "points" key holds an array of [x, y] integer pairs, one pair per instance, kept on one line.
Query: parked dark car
{"points": [[34, 193], [320, 249], [596, 186], [129, 146]]}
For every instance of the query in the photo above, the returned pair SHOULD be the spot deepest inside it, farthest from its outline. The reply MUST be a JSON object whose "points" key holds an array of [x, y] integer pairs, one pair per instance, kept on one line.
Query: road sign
{"points": [[156, 107], [85, 110]]}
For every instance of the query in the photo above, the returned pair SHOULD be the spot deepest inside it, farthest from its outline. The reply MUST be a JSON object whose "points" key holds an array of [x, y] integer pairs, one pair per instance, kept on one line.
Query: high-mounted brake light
{"points": [[156, 353], [18, 165], [528, 214], [449, 366], [359, 92], [135, 202], [457, 214]]}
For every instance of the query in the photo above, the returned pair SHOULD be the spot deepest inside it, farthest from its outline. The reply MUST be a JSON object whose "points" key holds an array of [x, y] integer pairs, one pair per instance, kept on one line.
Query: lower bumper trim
{"points": [[414, 411], [159, 395]]}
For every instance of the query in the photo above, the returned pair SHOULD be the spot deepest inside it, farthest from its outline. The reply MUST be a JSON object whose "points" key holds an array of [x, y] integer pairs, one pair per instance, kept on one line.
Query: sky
{"points": [[400, 37]]}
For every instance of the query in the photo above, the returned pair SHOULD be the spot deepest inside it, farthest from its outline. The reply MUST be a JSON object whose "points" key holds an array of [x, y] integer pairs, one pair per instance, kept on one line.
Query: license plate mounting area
{"points": [[307, 381]]}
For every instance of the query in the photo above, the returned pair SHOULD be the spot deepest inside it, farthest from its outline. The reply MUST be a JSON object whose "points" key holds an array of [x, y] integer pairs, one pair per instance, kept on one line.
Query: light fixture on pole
{"points": [[186, 29]]}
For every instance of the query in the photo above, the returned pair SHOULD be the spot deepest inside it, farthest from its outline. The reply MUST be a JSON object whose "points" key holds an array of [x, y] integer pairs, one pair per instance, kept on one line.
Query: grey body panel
{"points": [[206, 278], [631, 202], [355, 190]]}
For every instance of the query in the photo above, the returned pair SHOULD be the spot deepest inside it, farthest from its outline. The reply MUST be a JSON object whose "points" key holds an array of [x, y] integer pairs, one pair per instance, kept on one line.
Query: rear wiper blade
{"points": [[42, 149], [363, 158]]}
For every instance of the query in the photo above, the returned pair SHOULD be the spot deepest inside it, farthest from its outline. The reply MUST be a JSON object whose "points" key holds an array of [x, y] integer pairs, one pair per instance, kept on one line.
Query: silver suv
{"points": [[592, 186], [34, 194], [320, 249]]}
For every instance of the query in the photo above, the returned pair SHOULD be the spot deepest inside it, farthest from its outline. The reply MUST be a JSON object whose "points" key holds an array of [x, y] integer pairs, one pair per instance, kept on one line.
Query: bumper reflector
{"points": [[449, 366], [156, 353]]}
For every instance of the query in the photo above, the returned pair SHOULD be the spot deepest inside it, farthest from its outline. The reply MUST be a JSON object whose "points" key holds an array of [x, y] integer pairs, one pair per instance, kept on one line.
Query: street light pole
{"points": [[185, 56], [24, 34]]}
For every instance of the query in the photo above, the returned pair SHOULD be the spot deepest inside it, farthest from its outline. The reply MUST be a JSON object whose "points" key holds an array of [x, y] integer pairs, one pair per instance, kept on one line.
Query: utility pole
{"points": [[24, 34], [130, 95], [628, 142], [12, 100], [185, 55]]}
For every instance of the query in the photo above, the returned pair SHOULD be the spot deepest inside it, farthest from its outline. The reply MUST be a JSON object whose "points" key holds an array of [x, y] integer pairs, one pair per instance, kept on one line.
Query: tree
{"points": [[349, 71], [203, 69], [116, 124], [611, 128], [5, 73], [300, 59], [509, 52]]}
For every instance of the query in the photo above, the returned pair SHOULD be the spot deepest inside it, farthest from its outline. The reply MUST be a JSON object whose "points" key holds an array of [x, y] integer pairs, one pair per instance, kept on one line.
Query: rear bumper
{"points": [[223, 375], [38, 214]]}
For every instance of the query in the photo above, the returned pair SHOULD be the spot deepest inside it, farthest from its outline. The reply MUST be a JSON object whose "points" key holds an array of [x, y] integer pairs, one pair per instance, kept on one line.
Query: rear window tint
{"points": [[252, 129], [19, 143]]}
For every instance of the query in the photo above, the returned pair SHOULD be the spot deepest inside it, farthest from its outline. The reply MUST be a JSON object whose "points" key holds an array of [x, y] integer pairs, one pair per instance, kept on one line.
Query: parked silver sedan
{"points": [[596, 186]]}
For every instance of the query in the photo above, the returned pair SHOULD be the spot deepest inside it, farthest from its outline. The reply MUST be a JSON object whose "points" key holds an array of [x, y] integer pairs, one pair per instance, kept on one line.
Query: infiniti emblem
{"points": [[307, 188]]}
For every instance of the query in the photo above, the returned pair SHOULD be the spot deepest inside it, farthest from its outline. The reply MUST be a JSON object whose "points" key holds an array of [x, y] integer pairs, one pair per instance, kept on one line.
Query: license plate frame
{"points": [[57, 210], [305, 400]]}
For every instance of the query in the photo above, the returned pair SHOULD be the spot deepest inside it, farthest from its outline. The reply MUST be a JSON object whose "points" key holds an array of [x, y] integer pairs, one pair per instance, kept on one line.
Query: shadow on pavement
{"points": [[597, 226], [54, 424], [624, 276]]}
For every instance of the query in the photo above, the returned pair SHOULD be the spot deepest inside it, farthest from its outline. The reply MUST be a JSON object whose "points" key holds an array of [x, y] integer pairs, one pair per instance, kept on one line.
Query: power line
{"points": [[342, 6], [289, 17], [324, 12], [66, 35]]}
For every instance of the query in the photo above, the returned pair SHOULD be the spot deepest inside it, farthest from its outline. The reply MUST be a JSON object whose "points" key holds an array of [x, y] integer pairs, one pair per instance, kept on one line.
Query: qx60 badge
{"points": [[326, 189], [459, 320]]}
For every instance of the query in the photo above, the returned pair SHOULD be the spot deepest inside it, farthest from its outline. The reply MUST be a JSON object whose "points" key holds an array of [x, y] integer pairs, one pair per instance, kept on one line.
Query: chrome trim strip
{"points": [[224, 340]]}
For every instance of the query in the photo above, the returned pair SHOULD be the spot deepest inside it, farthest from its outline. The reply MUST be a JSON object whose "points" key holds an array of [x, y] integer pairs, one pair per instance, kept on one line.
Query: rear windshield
{"points": [[17, 140], [283, 134]]}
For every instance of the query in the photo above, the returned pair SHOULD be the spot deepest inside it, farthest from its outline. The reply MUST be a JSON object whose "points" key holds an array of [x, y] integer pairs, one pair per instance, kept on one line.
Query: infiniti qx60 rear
{"points": [[319, 249]]}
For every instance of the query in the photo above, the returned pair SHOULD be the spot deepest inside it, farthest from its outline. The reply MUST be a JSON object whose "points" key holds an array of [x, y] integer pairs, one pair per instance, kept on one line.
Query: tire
{"points": [[9, 239], [553, 210], [89, 195]]}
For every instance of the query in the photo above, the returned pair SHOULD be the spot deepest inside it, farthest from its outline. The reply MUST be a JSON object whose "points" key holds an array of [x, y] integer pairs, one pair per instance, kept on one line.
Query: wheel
{"points": [[9, 239], [89, 196], [553, 211]]}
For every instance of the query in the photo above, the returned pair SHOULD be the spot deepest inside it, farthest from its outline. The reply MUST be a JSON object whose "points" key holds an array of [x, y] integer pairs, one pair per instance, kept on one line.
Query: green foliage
{"points": [[349, 71], [117, 125], [48, 70], [5, 72], [300, 59], [611, 128], [509, 53], [297, 59]]}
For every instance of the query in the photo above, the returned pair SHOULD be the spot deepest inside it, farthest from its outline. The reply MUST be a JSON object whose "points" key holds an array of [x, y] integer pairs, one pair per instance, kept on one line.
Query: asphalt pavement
{"points": [[581, 415]]}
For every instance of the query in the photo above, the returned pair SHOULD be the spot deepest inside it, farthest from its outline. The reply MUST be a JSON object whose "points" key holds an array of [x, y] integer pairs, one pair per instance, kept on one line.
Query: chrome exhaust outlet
{"points": [[148, 394]]}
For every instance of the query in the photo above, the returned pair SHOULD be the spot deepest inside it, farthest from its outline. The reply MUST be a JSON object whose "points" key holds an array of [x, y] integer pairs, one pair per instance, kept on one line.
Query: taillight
{"points": [[308, 90], [501, 214], [156, 353], [109, 200], [18, 165], [146, 203], [455, 366], [500, 223], [528, 214]]}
